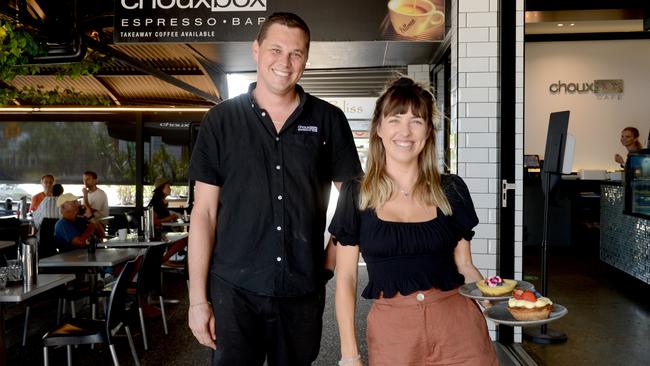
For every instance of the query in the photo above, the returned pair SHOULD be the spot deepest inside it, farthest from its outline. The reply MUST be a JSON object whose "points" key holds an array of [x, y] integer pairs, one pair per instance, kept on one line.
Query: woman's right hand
{"points": [[619, 159], [201, 322]]}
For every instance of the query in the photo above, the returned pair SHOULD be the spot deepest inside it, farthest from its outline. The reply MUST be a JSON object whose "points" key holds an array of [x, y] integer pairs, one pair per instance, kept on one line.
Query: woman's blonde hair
{"points": [[400, 96]]}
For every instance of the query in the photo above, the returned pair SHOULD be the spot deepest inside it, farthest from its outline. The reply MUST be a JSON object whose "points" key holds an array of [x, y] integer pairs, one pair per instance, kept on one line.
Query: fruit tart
{"points": [[496, 286], [528, 305]]}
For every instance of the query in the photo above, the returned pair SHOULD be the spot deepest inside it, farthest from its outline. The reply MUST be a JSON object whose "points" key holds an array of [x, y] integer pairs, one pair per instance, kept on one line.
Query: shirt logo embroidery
{"points": [[311, 129]]}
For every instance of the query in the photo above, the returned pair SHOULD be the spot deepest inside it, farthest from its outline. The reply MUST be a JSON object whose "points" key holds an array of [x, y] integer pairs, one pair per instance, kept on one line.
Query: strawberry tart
{"points": [[527, 305]]}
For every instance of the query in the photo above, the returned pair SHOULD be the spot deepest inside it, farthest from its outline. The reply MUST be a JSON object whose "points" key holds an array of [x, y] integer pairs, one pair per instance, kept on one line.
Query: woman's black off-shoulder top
{"points": [[406, 257]]}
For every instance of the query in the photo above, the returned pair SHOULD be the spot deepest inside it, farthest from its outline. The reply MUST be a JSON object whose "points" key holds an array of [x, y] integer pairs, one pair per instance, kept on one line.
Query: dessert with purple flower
{"points": [[496, 286]]}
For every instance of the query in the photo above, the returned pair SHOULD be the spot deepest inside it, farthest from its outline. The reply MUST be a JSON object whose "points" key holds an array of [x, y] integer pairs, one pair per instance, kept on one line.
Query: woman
{"points": [[629, 139], [161, 214], [413, 228]]}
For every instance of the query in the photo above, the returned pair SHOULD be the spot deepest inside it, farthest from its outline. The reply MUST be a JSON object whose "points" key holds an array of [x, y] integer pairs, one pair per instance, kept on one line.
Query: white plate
{"points": [[500, 315], [470, 290]]}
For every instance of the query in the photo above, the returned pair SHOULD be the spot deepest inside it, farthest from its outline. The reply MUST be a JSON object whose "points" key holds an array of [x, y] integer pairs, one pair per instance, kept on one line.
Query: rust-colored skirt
{"points": [[428, 328]]}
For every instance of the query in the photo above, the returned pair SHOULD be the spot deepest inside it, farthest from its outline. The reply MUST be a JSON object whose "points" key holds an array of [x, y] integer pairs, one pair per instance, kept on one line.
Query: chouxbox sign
{"points": [[189, 21], [186, 20], [212, 5], [600, 86]]}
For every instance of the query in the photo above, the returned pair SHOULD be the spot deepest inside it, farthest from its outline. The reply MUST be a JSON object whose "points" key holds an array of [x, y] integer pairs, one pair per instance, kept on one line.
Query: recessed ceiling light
{"points": [[572, 24], [560, 24]]}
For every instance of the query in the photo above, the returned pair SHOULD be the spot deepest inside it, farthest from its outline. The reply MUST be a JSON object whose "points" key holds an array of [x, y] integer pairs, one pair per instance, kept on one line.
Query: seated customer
{"points": [[71, 232], [46, 181], [161, 214], [95, 200], [48, 208]]}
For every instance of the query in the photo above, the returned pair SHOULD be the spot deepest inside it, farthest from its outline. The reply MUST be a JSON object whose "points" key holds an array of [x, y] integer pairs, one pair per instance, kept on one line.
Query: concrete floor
{"points": [[609, 314], [608, 324]]}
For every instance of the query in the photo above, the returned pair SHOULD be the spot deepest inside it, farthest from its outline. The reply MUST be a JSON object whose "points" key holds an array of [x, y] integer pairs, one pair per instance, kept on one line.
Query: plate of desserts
{"points": [[525, 308], [493, 288]]}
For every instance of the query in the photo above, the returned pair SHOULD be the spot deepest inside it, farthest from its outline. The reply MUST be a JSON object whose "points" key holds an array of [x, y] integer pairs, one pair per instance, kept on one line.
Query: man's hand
{"points": [[201, 322], [84, 190]]}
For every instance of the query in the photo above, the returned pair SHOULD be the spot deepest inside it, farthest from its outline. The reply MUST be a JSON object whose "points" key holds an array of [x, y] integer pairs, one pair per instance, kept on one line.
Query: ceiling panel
{"points": [[87, 85], [236, 56], [349, 82], [149, 87]]}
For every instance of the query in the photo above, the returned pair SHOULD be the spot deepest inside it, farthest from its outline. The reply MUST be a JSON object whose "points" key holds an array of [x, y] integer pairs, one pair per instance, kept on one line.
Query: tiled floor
{"points": [[608, 324]]}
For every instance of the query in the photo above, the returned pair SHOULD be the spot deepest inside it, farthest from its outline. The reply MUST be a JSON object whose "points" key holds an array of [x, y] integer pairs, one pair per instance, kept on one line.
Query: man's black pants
{"points": [[251, 328]]}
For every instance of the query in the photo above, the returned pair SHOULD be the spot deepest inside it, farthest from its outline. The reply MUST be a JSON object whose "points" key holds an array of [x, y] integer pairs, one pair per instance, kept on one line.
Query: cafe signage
{"points": [[182, 21], [600, 86], [355, 107]]}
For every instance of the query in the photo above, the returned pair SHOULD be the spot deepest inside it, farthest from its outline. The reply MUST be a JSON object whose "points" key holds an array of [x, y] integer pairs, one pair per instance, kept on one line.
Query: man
{"points": [[266, 160], [95, 200], [47, 181], [71, 231]]}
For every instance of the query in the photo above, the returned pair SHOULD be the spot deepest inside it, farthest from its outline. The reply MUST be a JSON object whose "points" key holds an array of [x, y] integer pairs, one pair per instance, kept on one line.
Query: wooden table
{"points": [[18, 293]]}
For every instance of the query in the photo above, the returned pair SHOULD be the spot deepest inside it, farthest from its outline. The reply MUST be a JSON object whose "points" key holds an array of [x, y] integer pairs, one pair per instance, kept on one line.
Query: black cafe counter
{"points": [[574, 214], [624, 239]]}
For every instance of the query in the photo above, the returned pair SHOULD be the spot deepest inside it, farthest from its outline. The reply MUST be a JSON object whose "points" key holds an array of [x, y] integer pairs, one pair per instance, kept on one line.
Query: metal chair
{"points": [[46, 248], [88, 331], [149, 283]]}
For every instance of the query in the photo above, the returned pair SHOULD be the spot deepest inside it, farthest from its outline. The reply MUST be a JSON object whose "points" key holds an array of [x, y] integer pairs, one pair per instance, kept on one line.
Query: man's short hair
{"points": [[47, 176], [91, 173], [290, 20]]}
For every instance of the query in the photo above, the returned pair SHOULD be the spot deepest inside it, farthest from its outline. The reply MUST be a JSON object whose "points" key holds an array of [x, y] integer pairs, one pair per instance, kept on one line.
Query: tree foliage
{"points": [[18, 47]]}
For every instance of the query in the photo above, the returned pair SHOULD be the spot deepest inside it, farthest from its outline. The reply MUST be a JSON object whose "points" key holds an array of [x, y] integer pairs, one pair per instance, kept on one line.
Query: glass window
{"points": [[167, 154], [65, 149]]}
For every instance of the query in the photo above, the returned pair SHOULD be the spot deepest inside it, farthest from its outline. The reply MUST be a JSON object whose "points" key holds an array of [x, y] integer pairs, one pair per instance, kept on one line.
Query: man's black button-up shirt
{"points": [[274, 190]]}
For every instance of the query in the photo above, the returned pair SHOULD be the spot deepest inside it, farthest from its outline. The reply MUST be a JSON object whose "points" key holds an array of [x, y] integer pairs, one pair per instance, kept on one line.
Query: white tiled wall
{"points": [[519, 150], [475, 110]]}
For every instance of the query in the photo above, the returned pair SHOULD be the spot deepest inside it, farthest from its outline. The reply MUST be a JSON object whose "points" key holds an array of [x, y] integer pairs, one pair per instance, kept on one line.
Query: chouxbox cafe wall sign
{"points": [[138, 21], [602, 88]]}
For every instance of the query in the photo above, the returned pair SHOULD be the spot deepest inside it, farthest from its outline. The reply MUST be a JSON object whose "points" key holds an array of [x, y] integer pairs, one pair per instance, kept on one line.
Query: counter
{"points": [[624, 239]]}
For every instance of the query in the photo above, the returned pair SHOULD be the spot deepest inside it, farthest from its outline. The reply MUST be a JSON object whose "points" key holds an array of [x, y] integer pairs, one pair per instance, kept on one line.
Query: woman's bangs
{"points": [[401, 103]]}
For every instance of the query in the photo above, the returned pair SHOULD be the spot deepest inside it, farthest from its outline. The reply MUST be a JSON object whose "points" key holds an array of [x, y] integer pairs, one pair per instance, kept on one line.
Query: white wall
{"points": [[595, 123]]}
